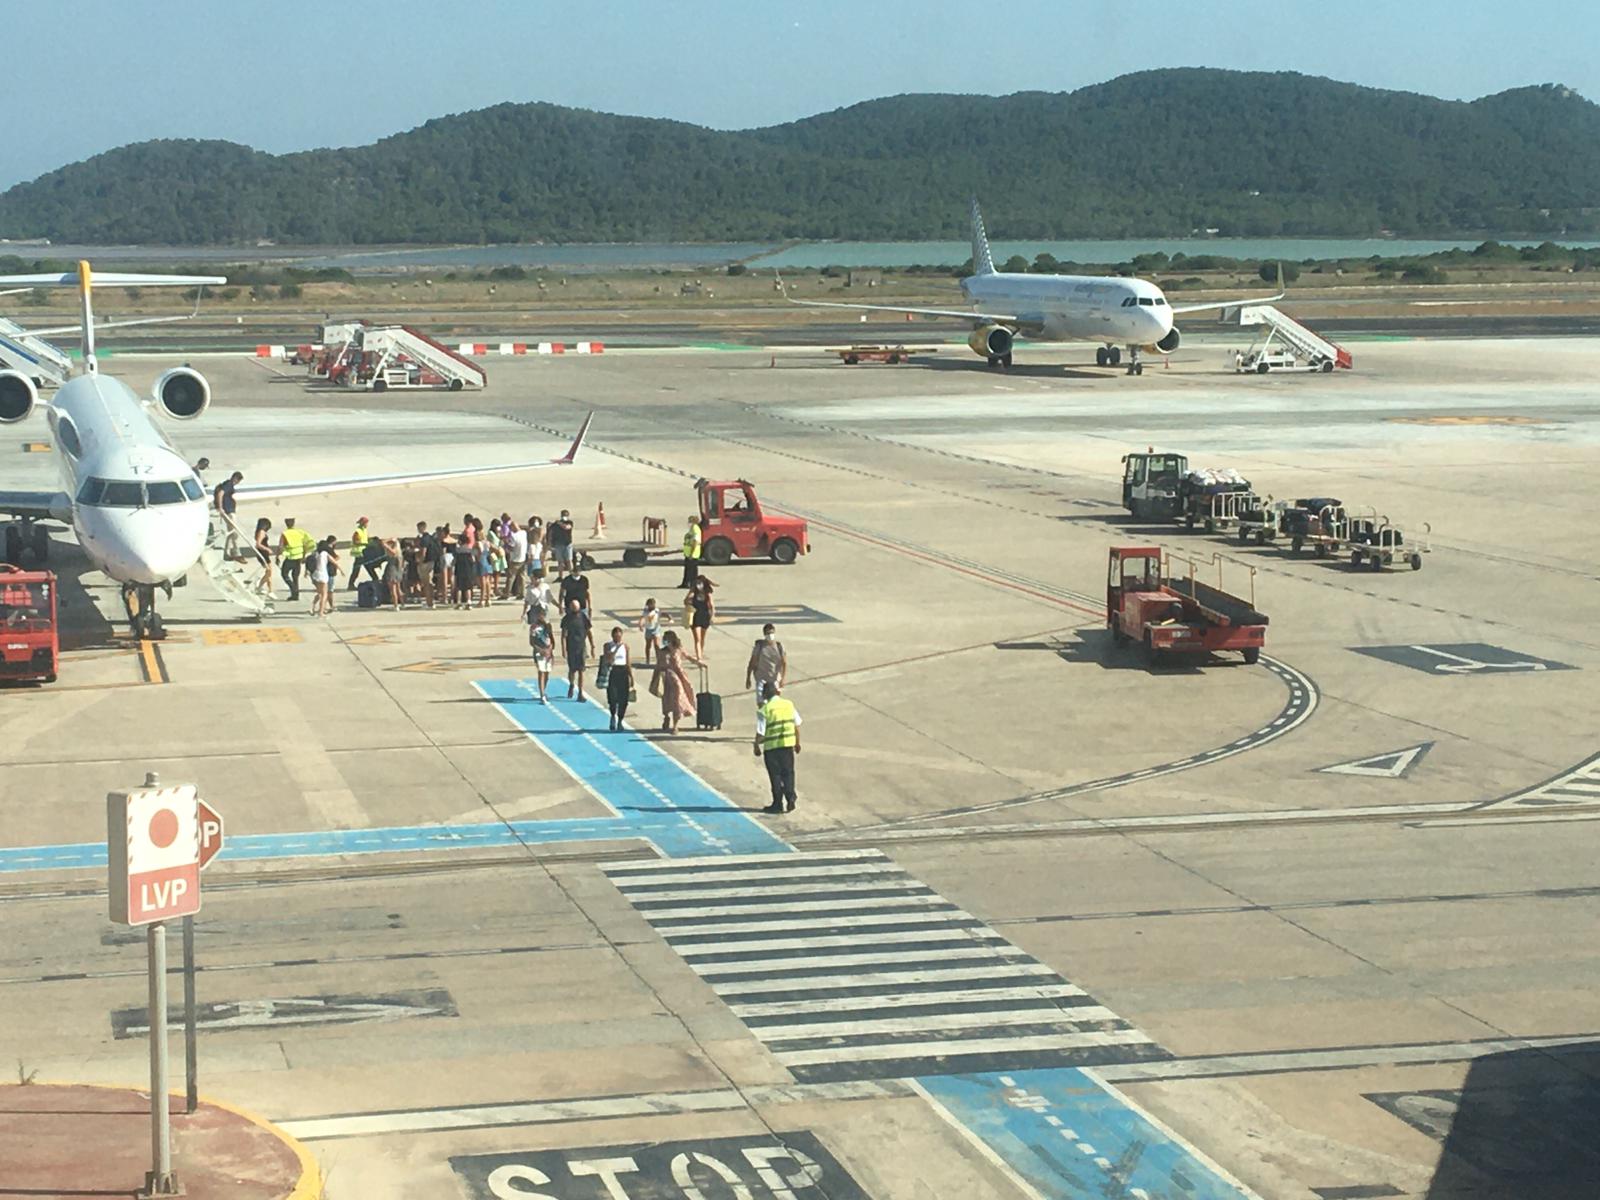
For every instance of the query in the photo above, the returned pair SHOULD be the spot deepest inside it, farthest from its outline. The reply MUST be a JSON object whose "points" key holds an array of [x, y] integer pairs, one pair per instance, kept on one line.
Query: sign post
{"points": [[153, 853], [210, 821]]}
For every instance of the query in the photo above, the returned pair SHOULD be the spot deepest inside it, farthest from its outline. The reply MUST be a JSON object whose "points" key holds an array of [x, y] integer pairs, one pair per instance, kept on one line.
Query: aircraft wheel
{"points": [[1114, 355], [155, 628], [1099, 356], [1005, 359]]}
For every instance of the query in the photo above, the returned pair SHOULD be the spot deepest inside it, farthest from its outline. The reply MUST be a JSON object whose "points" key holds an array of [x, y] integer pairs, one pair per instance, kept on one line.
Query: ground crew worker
{"points": [[296, 545], [691, 553], [777, 742], [358, 546]]}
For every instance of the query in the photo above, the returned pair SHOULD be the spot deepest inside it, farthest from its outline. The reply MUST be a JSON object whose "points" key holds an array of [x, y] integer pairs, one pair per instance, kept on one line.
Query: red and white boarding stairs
{"points": [[395, 345], [1309, 345]]}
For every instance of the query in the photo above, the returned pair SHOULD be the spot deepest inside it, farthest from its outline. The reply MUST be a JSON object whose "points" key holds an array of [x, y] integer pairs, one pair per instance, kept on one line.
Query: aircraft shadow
{"points": [[1019, 371], [1521, 1124], [82, 624]]}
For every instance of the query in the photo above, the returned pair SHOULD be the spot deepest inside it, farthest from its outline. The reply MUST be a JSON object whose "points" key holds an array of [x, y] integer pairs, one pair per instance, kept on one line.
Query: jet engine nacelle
{"points": [[1169, 343], [18, 395], [182, 393], [991, 341]]}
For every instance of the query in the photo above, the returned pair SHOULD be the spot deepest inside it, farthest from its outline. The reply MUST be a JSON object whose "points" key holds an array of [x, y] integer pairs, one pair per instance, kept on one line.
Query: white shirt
{"points": [[517, 546], [539, 595], [618, 652]]}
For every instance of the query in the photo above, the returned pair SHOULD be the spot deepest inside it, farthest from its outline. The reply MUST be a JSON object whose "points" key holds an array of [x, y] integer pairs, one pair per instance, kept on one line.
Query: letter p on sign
{"points": [[153, 854]]}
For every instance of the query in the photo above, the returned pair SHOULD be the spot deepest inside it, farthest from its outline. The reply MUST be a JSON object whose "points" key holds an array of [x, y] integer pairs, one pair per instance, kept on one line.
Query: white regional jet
{"points": [[138, 509], [1114, 311]]}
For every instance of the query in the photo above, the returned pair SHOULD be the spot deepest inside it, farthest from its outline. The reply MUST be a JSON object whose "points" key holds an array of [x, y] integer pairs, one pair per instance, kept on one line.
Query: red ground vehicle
{"points": [[1145, 604], [29, 646], [736, 527]]}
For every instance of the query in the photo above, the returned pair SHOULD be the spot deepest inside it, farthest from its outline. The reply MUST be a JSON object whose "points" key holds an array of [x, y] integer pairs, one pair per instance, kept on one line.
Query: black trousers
{"points": [[691, 571], [291, 575], [780, 773], [371, 569], [618, 686]]}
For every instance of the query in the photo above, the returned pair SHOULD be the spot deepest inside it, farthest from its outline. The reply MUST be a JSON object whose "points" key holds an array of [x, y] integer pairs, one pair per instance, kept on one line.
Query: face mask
{"points": [[772, 637]]}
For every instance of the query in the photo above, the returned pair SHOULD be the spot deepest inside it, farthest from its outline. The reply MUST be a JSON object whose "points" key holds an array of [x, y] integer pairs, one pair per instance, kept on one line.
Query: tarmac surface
{"points": [[1046, 922]]}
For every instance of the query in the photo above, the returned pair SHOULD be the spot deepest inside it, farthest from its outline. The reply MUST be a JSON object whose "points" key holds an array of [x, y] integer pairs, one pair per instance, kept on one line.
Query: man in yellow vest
{"points": [[777, 742], [358, 547], [296, 546], [691, 553]]}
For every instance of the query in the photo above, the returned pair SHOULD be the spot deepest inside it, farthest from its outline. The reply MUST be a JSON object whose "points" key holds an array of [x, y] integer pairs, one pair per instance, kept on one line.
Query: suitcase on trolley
{"points": [[707, 705]]}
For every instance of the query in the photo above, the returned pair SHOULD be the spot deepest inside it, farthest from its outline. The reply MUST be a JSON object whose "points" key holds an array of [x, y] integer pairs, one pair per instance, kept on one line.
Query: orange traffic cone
{"points": [[599, 521]]}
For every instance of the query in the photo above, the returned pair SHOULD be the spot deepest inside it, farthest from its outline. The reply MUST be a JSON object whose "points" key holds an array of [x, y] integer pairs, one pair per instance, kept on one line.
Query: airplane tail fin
{"points": [[982, 260]]}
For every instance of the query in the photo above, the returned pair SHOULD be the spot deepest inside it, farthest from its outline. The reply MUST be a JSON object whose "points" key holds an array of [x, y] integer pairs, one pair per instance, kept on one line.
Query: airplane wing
{"points": [[1189, 308], [39, 505], [964, 314], [317, 487]]}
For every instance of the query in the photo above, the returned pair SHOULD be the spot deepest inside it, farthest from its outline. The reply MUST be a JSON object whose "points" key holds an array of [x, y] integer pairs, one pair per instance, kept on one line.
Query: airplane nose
{"points": [[154, 551]]}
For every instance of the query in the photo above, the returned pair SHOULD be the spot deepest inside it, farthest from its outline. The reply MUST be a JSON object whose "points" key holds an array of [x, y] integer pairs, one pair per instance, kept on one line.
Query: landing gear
{"points": [[998, 360], [139, 600], [1135, 367], [1107, 356]]}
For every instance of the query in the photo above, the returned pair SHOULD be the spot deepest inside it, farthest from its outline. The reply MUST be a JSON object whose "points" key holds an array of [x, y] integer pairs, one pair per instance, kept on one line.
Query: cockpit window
{"points": [[89, 493], [1161, 301], [122, 493], [1146, 301], [192, 488], [1128, 303], [164, 492]]}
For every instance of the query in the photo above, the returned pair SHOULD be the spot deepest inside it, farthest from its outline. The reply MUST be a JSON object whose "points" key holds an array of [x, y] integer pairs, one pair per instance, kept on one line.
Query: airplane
{"points": [[1108, 309], [140, 512]]}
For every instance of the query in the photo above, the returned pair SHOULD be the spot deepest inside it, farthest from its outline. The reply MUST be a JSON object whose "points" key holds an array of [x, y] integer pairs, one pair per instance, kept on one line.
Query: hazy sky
{"points": [[87, 75]]}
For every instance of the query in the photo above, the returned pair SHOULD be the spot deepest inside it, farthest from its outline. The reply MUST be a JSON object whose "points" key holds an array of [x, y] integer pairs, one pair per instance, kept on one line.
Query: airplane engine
{"points": [[182, 393], [991, 341], [1169, 343], [17, 397]]}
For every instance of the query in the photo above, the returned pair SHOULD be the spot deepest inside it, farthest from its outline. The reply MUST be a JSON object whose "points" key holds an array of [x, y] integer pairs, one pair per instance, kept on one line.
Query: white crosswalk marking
{"points": [[846, 967], [1581, 785]]}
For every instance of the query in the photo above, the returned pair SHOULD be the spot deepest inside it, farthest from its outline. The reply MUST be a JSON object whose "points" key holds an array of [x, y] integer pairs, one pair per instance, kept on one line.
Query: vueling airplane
{"points": [[1114, 311], [137, 507]]}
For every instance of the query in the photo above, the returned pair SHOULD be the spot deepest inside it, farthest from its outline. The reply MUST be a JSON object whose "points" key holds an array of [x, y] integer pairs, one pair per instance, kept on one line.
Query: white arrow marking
{"points": [[252, 1014]]}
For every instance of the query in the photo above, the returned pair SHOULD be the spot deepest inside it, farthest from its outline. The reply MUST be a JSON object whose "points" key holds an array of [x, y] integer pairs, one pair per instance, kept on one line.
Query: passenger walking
{"points": [[618, 669], [704, 612], [535, 549], [559, 535], [539, 596], [777, 742], [464, 562], [488, 543], [264, 552], [650, 626], [223, 497], [393, 570], [577, 635], [295, 545], [358, 547], [542, 644], [324, 565], [768, 666], [516, 560], [576, 587], [671, 682], [692, 549]]}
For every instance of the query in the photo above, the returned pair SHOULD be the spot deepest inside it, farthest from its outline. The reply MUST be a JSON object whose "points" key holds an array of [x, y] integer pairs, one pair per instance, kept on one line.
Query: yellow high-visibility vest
{"points": [[691, 541], [781, 728], [297, 543], [359, 538]]}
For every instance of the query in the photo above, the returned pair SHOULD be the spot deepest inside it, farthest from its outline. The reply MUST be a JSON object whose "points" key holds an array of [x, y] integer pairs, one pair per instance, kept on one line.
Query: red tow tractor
{"points": [[1145, 603], [30, 647]]}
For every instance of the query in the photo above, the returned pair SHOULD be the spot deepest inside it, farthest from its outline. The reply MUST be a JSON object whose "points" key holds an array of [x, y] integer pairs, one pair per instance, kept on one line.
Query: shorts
{"points": [[563, 555]]}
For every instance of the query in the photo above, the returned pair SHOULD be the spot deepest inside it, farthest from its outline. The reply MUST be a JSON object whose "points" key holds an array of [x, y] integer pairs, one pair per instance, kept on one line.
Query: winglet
{"points": [[567, 459], [85, 287]]}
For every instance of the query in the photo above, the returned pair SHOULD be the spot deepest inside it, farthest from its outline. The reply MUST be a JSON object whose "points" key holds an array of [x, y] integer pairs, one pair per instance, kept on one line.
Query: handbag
{"points": [[655, 685], [602, 673]]}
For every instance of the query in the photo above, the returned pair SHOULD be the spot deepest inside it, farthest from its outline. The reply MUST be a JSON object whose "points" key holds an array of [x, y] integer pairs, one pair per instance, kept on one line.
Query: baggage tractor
{"points": [[367, 594], [707, 705]]}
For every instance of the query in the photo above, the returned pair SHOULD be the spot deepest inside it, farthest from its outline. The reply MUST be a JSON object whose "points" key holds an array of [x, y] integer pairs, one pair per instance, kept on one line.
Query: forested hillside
{"points": [[1156, 153]]}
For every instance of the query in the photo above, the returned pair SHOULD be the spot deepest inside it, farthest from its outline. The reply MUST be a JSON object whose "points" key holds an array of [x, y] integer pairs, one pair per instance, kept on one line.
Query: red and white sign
{"points": [[210, 832], [153, 852]]}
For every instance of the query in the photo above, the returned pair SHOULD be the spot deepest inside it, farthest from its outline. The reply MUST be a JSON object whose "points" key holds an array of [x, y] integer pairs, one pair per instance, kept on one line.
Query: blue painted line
{"points": [[654, 795], [650, 795], [1074, 1137]]}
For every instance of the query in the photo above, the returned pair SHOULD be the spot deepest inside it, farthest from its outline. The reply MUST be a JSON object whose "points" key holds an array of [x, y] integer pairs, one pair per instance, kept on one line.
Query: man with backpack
{"points": [[768, 666]]}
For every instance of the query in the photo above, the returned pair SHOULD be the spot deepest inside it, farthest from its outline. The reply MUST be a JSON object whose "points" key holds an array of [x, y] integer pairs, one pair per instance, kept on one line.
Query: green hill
{"points": [[1156, 153]]}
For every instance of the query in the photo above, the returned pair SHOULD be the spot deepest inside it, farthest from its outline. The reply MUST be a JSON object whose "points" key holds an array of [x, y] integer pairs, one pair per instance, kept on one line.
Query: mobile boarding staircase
{"points": [[32, 356], [402, 357], [1310, 346]]}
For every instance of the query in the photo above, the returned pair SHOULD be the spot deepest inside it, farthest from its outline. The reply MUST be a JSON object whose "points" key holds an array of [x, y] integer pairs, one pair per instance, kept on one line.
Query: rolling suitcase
{"points": [[707, 705], [367, 594]]}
